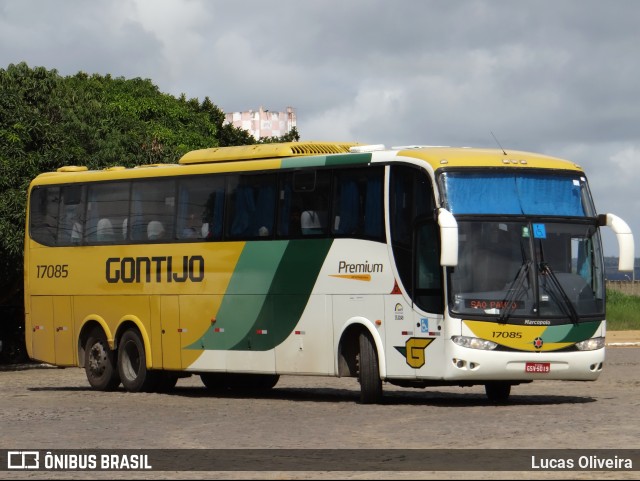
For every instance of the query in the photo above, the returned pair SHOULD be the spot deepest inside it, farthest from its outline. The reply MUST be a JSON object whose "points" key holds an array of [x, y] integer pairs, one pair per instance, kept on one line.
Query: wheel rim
{"points": [[130, 361], [97, 359]]}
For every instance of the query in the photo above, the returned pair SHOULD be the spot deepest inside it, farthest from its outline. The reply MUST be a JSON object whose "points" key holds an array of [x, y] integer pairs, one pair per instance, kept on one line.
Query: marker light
{"points": [[474, 343]]}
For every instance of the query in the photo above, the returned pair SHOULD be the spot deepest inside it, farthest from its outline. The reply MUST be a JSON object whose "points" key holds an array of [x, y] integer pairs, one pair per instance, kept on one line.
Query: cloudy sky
{"points": [[557, 77]]}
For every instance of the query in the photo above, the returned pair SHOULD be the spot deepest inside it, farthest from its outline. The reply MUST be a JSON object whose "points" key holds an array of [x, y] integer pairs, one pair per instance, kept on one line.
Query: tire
{"points": [[369, 371], [252, 382], [165, 381], [215, 381], [132, 365], [100, 362], [498, 391]]}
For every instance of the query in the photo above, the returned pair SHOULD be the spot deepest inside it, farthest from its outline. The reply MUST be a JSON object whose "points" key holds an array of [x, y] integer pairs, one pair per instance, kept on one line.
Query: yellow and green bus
{"points": [[415, 266]]}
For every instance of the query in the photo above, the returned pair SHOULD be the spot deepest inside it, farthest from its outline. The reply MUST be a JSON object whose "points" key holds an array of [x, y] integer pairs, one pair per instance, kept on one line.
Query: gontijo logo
{"points": [[154, 269]]}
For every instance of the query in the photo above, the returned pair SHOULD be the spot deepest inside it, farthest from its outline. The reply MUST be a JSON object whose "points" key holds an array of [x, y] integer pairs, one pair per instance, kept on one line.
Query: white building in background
{"points": [[263, 123]]}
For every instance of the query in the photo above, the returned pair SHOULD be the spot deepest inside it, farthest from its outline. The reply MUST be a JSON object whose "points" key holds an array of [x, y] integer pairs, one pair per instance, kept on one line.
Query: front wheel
{"points": [[369, 371], [132, 364], [100, 362]]}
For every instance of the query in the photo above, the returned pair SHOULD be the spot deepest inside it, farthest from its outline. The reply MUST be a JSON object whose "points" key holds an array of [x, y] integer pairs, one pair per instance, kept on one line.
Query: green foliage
{"points": [[291, 136], [48, 121], [623, 311]]}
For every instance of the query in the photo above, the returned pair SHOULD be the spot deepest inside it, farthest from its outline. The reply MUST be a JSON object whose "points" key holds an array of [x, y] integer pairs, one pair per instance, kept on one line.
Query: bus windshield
{"points": [[528, 245], [527, 269]]}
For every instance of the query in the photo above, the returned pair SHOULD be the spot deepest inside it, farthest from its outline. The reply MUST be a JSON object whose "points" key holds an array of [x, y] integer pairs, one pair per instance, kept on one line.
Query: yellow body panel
{"points": [[58, 307]]}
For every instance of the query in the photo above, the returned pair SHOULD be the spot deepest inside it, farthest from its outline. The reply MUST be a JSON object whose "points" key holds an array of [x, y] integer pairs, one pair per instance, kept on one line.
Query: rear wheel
{"points": [[100, 362], [369, 371], [498, 391], [165, 381], [132, 364]]}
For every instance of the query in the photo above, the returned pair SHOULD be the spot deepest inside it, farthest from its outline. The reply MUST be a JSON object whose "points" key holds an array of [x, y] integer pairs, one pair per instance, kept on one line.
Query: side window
{"points": [[358, 205], [152, 211], [43, 224], [107, 212], [71, 222], [251, 206], [304, 203], [200, 208], [428, 283], [411, 198]]}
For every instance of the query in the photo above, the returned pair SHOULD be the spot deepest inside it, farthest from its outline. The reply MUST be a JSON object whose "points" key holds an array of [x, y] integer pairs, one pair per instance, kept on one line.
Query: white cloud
{"points": [[627, 162], [376, 108]]}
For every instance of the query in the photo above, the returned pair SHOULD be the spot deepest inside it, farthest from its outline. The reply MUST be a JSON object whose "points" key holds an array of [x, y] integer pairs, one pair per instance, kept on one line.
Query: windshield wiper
{"points": [[509, 303], [558, 293]]}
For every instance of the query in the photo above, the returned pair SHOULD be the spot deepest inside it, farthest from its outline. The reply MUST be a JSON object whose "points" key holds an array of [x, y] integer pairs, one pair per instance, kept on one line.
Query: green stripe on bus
{"points": [[289, 294], [325, 160], [245, 295], [267, 294], [571, 332], [298, 162], [346, 159]]}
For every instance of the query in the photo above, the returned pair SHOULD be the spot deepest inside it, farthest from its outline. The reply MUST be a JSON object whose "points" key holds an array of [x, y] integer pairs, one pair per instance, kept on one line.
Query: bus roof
{"points": [[437, 156], [448, 157], [275, 155]]}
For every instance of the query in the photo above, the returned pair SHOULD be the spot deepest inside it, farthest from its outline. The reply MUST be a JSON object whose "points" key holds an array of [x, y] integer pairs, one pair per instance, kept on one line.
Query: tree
{"points": [[291, 136]]}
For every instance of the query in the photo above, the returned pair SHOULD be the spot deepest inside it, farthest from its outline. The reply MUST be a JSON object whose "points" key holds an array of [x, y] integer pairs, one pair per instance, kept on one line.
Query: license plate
{"points": [[537, 367]]}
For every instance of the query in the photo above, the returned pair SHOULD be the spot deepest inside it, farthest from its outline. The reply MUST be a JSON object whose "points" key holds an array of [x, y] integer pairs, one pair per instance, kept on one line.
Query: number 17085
{"points": [[52, 271]]}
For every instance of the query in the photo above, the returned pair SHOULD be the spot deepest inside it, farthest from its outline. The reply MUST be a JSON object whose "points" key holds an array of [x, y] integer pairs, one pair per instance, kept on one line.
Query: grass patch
{"points": [[623, 311]]}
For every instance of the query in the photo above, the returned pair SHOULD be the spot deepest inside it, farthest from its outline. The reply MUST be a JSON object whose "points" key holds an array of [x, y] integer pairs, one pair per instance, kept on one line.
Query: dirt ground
{"points": [[49, 408], [621, 338]]}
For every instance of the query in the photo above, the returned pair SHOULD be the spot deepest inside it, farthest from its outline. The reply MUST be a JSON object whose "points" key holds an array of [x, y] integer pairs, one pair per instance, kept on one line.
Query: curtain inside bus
{"points": [[511, 193]]}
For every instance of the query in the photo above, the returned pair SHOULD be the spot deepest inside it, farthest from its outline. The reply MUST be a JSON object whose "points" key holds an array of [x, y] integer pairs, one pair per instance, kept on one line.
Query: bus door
{"points": [[52, 327], [63, 331], [170, 332], [412, 334], [415, 326], [427, 351]]}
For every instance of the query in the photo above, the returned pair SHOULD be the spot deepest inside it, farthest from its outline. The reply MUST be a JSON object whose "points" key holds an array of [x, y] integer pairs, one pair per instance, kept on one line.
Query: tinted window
{"points": [[200, 208], [251, 206], [107, 212]]}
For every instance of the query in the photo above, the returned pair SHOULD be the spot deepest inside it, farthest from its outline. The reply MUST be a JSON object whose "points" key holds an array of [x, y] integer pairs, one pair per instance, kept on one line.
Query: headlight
{"points": [[591, 344], [474, 343]]}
